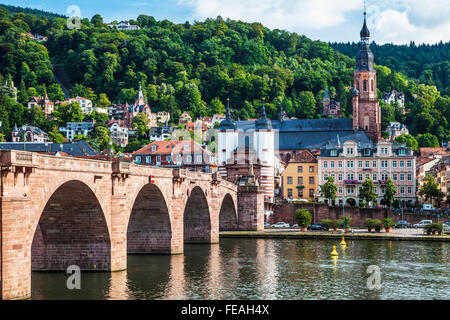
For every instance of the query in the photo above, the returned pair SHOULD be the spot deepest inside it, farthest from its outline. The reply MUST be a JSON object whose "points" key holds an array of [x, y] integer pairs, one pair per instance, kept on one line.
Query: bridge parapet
{"points": [[13, 158]]}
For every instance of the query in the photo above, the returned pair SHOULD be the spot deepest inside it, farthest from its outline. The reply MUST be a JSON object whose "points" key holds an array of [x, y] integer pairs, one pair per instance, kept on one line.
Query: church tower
{"points": [[366, 108]]}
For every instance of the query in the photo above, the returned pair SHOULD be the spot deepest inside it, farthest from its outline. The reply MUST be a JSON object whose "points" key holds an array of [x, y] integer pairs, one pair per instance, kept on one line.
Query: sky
{"points": [[389, 21]]}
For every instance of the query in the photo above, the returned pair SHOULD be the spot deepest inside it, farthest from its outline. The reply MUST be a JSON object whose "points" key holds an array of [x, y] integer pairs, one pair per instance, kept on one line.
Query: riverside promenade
{"points": [[409, 234]]}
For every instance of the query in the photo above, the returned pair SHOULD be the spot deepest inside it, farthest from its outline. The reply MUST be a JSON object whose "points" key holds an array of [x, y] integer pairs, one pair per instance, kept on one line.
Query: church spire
{"points": [[365, 33], [228, 123]]}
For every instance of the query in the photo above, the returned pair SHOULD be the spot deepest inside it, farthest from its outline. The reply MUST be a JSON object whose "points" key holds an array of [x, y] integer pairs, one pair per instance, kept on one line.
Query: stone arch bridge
{"points": [[58, 211]]}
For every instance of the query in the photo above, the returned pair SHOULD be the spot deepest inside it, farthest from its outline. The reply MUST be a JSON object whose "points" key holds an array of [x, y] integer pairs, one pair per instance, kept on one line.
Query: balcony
{"points": [[382, 181], [350, 181]]}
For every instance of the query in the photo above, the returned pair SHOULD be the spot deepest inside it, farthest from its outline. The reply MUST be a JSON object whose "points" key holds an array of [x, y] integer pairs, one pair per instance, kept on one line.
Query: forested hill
{"points": [[36, 12], [430, 64], [196, 67]]}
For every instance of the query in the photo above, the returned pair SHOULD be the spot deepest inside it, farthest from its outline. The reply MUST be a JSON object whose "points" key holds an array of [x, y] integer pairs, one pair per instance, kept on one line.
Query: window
{"points": [[340, 177], [384, 176], [333, 153], [375, 190], [325, 164], [360, 177], [349, 164], [394, 177], [300, 192], [365, 85], [300, 180], [374, 177], [340, 190], [349, 151], [350, 190], [138, 159], [311, 193], [360, 164], [154, 147], [289, 192], [158, 158], [300, 169], [402, 190], [325, 177], [409, 189], [409, 164], [384, 163], [289, 180], [394, 164], [311, 168], [374, 164], [199, 158], [311, 180], [401, 152], [188, 159], [350, 176], [367, 152], [148, 159], [384, 150], [383, 190], [340, 164], [402, 164], [367, 164], [367, 176], [409, 177], [402, 177], [331, 164]]}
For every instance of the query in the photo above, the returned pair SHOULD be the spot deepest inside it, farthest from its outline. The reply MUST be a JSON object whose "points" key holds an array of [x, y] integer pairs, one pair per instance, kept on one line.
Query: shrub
{"points": [[433, 228], [388, 223], [334, 224], [303, 217], [369, 223], [362, 203], [377, 224], [346, 222], [327, 223]]}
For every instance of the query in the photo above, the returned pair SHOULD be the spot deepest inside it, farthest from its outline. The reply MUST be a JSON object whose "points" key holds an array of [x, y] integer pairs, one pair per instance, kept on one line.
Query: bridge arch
{"points": [[71, 230], [149, 225], [228, 218], [197, 218]]}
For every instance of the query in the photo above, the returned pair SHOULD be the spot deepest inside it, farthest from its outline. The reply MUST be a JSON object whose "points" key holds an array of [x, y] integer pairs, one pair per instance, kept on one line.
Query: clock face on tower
{"points": [[365, 76]]}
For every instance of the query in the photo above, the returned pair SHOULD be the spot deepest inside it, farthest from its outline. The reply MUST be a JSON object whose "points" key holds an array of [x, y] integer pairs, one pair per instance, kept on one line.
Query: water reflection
{"points": [[267, 269]]}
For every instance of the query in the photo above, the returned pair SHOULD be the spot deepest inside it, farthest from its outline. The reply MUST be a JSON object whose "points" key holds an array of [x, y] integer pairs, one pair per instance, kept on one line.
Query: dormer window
{"points": [[154, 147], [333, 153], [349, 151]]}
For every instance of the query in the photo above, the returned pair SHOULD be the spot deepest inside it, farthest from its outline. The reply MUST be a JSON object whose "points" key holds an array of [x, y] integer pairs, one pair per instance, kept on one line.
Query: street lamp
{"points": [[110, 150]]}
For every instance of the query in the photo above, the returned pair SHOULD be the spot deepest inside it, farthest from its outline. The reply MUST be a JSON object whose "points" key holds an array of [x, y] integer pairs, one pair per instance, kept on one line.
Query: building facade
{"points": [[352, 163], [44, 103], [299, 179], [85, 104], [396, 129], [118, 134], [28, 134], [73, 129], [331, 107], [177, 154]]}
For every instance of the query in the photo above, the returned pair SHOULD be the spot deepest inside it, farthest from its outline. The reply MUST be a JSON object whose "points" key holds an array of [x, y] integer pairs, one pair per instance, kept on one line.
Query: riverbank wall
{"points": [[285, 212]]}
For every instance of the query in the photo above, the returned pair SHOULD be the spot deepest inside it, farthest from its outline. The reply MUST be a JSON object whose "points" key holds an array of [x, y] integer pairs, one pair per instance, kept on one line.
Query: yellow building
{"points": [[300, 179]]}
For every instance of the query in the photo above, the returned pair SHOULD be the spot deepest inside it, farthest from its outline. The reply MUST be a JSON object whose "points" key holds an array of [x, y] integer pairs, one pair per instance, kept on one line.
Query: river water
{"points": [[269, 269]]}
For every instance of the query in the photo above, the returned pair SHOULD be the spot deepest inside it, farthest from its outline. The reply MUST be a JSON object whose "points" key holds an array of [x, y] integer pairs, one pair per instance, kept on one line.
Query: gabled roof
{"points": [[303, 156]]}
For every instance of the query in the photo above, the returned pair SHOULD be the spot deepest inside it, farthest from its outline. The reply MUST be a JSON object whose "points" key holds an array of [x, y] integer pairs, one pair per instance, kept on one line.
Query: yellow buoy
{"points": [[343, 243], [334, 252]]}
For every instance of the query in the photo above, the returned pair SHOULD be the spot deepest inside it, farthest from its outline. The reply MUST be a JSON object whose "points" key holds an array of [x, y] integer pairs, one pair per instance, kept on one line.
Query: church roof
{"points": [[310, 133]]}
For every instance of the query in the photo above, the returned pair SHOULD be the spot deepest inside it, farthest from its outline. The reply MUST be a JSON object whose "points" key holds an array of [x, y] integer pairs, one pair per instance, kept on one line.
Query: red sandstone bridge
{"points": [[58, 211]]}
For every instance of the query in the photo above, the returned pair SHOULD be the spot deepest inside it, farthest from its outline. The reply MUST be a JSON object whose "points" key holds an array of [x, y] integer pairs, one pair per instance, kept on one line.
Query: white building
{"points": [[118, 134], [126, 26], [394, 96], [85, 104], [396, 129], [77, 128], [28, 134]]}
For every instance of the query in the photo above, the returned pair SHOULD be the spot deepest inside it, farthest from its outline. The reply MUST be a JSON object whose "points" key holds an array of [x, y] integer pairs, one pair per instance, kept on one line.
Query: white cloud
{"points": [[281, 14], [397, 21], [395, 26]]}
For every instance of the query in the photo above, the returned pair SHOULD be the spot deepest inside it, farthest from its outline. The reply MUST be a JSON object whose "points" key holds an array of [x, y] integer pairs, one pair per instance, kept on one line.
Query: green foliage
{"points": [[390, 192], [367, 192], [140, 123], [369, 223], [427, 140], [388, 223], [327, 223], [346, 222], [377, 225], [430, 189], [303, 217], [434, 228], [335, 224], [69, 113], [329, 189], [408, 140]]}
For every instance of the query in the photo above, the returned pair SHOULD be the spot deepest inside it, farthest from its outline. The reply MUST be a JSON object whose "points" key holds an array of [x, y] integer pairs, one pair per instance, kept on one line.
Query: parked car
{"points": [[422, 223], [318, 227], [280, 225], [267, 225], [403, 224], [446, 225], [295, 226]]}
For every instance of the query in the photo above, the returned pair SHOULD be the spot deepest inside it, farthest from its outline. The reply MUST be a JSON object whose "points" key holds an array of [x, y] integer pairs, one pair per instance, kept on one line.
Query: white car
{"points": [[422, 223], [280, 225]]}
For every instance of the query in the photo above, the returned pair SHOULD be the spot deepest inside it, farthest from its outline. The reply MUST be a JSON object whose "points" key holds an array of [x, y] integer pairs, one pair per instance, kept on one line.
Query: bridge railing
{"points": [[14, 157]]}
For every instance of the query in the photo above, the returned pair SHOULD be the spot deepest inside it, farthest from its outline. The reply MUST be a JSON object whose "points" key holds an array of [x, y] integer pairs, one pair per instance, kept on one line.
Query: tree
{"points": [[55, 92], [329, 189], [427, 140], [55, 136], [307, 105], [103, 101], [69, 113], [390, 192], [430, 189], [97, 21], [101, 136], [408, 140], [140, 123], [366, 191]]}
